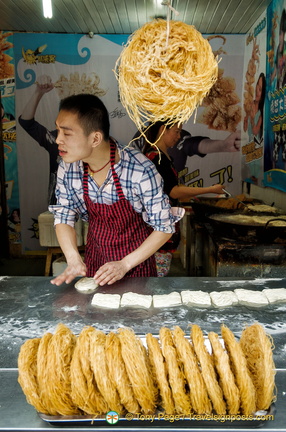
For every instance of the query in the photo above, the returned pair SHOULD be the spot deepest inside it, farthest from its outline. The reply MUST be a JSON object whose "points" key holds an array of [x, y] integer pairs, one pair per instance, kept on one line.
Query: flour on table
{"points": [[275, 295], [223, 298], [251, 298], [132, 299], [196, 298], [108, 301], [86, 285], [167, 300]]}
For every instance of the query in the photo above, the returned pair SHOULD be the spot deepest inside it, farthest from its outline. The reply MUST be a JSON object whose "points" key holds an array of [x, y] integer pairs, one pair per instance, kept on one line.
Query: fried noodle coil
{"points": [[240, 371], [138, 370], [100, 371], [160, 372], [208, 371], [60, 352], [84, 391], [257, 347], [175, 373], [27, 378], [198, 392], [118, 374], [227, 381]]}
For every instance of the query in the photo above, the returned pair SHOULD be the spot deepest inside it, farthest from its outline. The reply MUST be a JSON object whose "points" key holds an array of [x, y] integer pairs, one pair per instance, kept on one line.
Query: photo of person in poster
{"points": [[275, 113], [253, 125]]}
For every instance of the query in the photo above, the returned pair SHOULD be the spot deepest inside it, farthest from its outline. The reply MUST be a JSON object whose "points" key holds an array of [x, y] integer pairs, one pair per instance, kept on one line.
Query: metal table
{"points": [[31, 306]]}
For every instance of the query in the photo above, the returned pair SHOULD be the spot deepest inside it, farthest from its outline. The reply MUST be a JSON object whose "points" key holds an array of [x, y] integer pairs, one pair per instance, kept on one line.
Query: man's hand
{"points": [[110, 272], [74, 269]]}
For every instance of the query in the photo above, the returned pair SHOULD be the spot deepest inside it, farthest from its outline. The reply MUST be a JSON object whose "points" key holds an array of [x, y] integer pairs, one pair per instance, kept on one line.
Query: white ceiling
{"points": [[126, 16]]}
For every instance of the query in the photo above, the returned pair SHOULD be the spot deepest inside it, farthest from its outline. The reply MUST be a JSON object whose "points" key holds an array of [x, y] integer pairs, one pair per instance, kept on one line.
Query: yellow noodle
{"points": [[27, 365], [227, 381], [84, 391], [100, 371], [118, 374], [43, 375], [159, 367], [175, 374], [257, 347], [61, 348], [240, 371], [138, 370], [198, 391], [208, 371], [162, 80]]}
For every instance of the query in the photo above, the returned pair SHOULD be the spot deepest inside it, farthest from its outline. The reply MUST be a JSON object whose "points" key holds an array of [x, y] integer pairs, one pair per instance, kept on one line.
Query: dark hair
{"points": [[262, 98], [151, 134], [282, 27], [91, 111]]}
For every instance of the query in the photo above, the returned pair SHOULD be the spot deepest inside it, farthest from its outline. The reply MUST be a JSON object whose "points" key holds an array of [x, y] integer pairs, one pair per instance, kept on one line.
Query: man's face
{"points": [[72, 142]]}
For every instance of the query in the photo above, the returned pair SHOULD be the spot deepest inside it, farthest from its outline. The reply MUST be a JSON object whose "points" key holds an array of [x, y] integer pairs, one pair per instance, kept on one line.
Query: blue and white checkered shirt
{"points": [[141, 184]]}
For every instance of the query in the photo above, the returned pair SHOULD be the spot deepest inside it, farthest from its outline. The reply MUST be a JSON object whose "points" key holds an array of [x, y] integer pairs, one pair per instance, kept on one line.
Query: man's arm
{"points": [[66, 236], [43, 86], [230, 144], [112, 271]]}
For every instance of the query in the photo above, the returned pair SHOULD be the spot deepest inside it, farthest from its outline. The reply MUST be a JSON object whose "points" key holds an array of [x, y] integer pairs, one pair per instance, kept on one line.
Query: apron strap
{"points": [[114, 175]]}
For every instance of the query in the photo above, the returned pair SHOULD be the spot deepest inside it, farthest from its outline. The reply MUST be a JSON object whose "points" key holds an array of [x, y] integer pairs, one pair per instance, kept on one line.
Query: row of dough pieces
{"points": [[192, 298]]}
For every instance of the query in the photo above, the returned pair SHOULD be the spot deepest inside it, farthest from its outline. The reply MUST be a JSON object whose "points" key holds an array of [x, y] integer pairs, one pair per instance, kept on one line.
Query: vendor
{"points": [[117, 190], [165, 138]]}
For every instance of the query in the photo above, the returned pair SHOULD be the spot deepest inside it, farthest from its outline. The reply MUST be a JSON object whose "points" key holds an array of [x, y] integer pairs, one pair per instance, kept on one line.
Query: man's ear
{"points": [[97, 138]]}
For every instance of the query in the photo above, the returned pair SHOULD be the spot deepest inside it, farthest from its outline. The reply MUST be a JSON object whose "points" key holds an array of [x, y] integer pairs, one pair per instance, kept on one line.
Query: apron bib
{"points": [[114, 230]]}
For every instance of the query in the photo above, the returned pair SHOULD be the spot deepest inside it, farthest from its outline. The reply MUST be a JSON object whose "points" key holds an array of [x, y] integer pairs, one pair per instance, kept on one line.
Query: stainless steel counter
{"points": [[30, 306]]}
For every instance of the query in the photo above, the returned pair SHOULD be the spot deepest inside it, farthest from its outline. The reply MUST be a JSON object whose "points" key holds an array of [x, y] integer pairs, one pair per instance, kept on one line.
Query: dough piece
{"points": [[223, 299], [167, 300], [198, 391], [132, 299], [118, 373], [160, 372], [227, 381], [109, 301], [251, 297], [240, 370], [275, 295], [208, 370], [86, 285], [175, 374], [196, 298], [257, 347], [139, 370]]}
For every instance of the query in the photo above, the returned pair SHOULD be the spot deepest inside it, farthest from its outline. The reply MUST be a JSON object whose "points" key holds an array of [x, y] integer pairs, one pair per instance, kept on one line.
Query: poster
{"points": [[254, 100], [275, 108], [7, 83], [217, 118]]}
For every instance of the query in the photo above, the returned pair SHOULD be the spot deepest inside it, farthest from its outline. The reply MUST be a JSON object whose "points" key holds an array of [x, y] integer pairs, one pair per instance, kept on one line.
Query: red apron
{"points": [[114, 230]]}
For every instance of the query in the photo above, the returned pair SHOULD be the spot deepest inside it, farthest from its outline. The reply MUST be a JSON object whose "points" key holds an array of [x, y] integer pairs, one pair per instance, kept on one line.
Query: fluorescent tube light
{"points": [[47, 8]]}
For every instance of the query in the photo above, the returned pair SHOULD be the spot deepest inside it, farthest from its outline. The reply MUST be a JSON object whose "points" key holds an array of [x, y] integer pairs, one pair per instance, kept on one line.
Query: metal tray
{"points": [[163, 420]]}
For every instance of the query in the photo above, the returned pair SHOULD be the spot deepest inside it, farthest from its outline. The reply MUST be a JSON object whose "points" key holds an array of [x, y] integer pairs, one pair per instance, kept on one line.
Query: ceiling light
{"points": [[47, 8]]}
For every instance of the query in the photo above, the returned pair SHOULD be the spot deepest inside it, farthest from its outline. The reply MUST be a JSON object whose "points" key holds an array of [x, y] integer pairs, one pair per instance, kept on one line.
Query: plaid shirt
{"points": [[140, 182]]}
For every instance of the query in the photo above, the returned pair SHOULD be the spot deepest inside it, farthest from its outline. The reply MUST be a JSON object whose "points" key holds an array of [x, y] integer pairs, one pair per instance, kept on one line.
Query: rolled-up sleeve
{"points": [[157, 211], [69, 194]]}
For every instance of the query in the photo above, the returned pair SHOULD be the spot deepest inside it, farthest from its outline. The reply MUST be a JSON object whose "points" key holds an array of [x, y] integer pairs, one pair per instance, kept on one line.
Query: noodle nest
{"points": [[164, 72]]}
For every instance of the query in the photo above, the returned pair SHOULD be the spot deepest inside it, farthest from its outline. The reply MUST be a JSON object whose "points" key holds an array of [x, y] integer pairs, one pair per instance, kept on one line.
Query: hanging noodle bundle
{"points": [[164, 72]]}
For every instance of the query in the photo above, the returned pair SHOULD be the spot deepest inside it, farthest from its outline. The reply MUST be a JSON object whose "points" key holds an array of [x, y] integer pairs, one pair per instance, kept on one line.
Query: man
{"points": [[116, 189]]}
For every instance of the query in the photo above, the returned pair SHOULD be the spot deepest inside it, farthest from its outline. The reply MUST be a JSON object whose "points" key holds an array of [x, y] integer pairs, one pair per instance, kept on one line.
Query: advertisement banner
{"points": [[275, 109]]}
